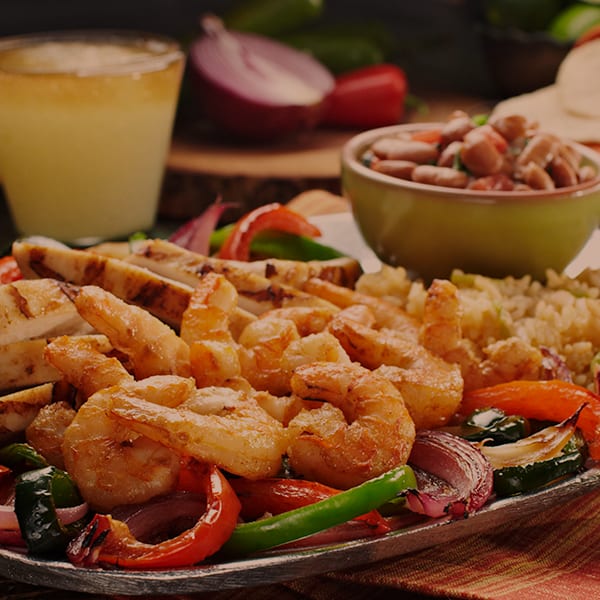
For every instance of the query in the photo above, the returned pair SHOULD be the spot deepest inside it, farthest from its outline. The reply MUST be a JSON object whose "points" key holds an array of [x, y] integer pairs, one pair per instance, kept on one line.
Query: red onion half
{"points": [[255, 87], [463, 477]]}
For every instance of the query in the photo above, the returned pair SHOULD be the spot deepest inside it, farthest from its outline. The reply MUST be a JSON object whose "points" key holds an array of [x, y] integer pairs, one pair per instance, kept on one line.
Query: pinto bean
{"points": [[536, 177], [511, 127], [456, 129], [569, 153], [587, 173], [399, 149], [562, 173], [500, 182], [480, 155], [443, 176], [539, 150], [449, 153], [396, 168]]}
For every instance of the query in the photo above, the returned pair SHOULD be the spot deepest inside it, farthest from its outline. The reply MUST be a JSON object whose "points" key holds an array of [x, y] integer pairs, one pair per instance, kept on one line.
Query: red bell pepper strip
{"points": [[279, 495], [273, 216], [553, 400], [9, 270], [109, 541], [372, 96]]}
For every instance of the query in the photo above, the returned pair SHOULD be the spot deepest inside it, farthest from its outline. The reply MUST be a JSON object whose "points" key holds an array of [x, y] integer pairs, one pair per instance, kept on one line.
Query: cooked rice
{"points": [[563, 315]]}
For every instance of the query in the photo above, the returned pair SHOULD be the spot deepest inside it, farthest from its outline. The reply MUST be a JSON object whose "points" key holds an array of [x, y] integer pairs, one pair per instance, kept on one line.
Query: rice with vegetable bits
{"points": [[503, 329]]}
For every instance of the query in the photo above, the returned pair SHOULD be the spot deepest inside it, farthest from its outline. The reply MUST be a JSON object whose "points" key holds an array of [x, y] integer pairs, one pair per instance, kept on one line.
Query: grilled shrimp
{"points": [[431, 387], [46, 432], [271, 348], [386, 313], [84, 366], [110, 462], [205, 326], [153, 347], [442, 334], [362, 430], [216, 425]]}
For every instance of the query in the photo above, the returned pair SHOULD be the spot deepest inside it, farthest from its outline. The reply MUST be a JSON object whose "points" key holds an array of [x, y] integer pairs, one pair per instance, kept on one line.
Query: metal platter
{"points": [[286, 566]]}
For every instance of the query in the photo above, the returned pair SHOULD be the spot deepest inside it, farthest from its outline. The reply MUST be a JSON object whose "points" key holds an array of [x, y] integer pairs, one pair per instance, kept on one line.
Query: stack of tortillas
{"points": [[569, 108]]}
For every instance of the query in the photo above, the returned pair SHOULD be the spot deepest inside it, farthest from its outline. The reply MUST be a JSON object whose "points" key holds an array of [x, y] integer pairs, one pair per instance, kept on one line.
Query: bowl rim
{"points": [[358, 143]]}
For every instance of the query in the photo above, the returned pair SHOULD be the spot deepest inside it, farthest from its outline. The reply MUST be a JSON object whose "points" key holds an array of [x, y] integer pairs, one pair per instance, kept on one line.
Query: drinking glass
{"points": [[86, 120]]}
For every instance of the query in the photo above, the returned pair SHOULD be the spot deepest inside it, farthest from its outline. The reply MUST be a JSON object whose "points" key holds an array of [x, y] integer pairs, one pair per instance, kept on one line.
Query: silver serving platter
{"points": [[286, 566]]}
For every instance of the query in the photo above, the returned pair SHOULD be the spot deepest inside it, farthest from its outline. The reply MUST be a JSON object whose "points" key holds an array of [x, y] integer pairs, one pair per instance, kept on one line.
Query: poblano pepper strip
{"points": [[520, 479], [493, 425], [38, 493], [21, 457], [269, 532]]}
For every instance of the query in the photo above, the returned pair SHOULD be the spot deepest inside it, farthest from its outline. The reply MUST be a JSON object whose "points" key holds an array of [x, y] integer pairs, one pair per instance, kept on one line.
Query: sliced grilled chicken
{"points": [[164, 298], [257, 293], [38, 308], [22, 364], [17, 410], [342, 271]]}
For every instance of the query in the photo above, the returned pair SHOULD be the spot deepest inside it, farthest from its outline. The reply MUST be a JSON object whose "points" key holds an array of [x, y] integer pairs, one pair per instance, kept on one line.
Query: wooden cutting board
{"points": [[204, 164]]}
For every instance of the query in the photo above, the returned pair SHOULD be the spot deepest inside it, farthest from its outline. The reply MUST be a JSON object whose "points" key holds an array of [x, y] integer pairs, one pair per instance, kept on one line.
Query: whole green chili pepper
{"points": [[273, 531], [38, 493]]}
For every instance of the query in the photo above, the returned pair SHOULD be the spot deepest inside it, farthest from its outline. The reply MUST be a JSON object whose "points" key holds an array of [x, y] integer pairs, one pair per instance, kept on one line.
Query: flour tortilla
{"points": [[578, 80], [570, 108], [544, 107]]}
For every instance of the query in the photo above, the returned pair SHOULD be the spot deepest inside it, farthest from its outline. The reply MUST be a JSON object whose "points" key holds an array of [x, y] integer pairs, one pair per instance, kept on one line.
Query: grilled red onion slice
{"points": [[464, 476], [256, 87], [161, 517], [194, 235]]}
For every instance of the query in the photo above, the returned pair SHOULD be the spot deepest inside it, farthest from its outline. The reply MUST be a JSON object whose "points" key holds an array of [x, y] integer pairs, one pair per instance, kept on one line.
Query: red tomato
{"points": [[368, 97], [9, 270], [591, 34]]}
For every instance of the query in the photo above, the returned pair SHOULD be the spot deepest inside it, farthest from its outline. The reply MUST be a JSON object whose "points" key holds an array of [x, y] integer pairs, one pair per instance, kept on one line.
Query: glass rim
{"points": [[162, 50]]}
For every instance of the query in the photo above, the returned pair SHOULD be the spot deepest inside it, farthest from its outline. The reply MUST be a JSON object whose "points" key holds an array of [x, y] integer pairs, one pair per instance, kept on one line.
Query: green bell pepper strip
{"points": [[21, 457], [269, 532], [38, 493], [276, 244]]}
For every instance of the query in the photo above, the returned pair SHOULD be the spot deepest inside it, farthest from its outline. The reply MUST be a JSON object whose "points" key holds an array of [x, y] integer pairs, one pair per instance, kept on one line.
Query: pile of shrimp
{"points": [[337, 387]]}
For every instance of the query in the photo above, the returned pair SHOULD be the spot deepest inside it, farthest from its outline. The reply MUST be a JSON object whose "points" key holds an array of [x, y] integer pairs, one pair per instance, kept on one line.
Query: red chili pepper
{"points": [[109, 541], [553, 400], [9, 270], [368, 97], [268, 217], [279, 495]]}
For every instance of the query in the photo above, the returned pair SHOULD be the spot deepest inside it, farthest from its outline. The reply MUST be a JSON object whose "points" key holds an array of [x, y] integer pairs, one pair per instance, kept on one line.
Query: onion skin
{"points": [[456, 461], [240, 80]]}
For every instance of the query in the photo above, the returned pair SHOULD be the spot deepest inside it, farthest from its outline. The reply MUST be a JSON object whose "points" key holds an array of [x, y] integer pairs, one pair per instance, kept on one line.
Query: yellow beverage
{"points": [[85, 126]]}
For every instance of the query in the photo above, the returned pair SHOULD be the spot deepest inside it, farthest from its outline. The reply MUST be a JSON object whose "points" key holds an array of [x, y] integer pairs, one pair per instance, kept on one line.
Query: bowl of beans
{"points": [[493, 196]]}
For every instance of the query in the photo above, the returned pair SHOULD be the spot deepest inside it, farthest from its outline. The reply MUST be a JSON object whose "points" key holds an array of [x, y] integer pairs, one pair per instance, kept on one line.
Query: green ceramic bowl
{"points": [[432, 230]]}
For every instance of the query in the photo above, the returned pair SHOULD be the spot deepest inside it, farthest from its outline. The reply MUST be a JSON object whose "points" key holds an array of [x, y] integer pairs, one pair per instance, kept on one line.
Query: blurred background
{"points": [[475, 52], [434, 40]]}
